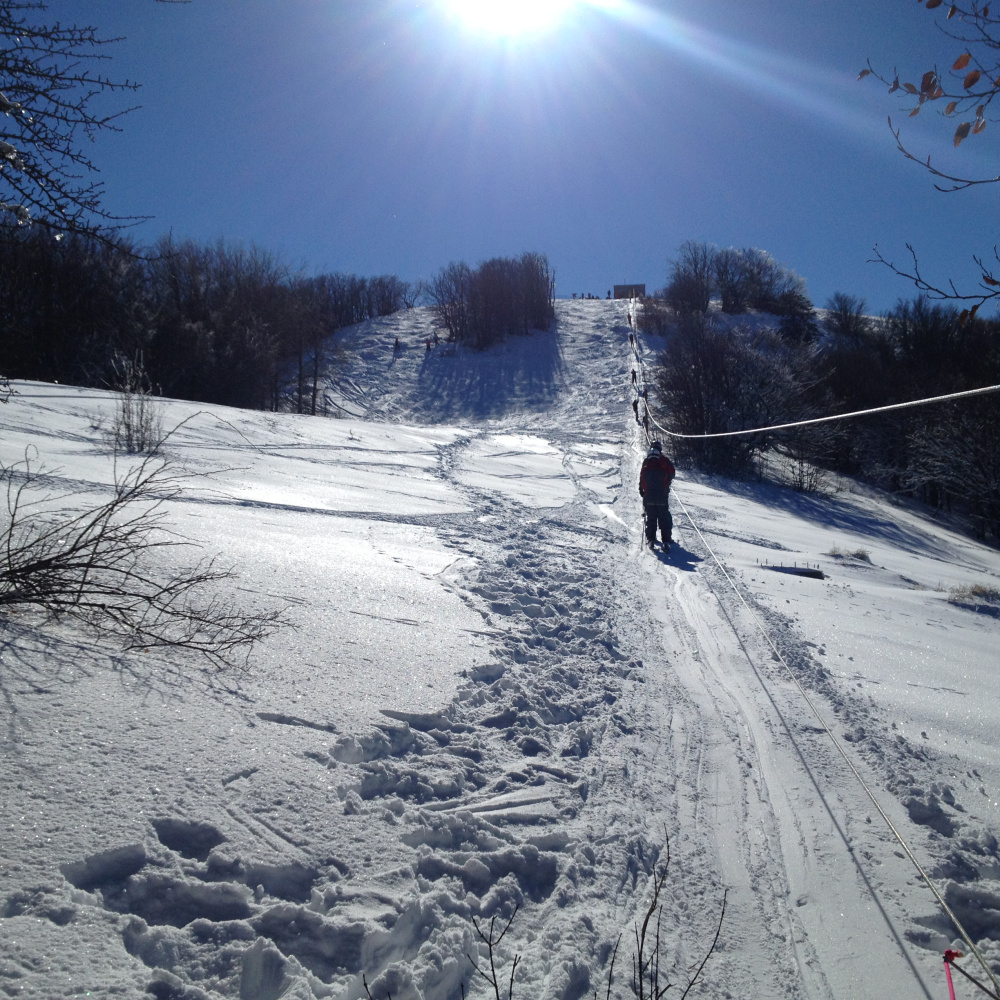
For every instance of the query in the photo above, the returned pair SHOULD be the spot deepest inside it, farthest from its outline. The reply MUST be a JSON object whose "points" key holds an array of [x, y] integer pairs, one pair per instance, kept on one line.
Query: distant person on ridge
{"points": [[654, 487]]}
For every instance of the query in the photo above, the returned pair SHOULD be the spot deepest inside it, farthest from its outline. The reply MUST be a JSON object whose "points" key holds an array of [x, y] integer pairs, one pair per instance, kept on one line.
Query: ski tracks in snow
{"points": [[754, 800]]}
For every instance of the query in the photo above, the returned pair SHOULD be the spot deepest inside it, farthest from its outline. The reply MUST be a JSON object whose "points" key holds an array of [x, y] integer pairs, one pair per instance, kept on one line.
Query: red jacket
{"points": [[655, 478]]}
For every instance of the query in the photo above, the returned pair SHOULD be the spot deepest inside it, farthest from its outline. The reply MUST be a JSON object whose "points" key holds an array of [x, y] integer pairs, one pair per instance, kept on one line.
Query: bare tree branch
{"points": [[103, 566], [950, 293], [50, 94]]}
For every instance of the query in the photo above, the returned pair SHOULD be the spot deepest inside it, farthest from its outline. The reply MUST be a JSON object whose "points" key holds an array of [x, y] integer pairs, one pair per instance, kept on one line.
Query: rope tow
{"points": [[648, 417]]}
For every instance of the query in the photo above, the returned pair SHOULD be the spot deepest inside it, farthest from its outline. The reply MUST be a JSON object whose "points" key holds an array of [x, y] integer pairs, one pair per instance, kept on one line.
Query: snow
{"points": [[493, 697]]}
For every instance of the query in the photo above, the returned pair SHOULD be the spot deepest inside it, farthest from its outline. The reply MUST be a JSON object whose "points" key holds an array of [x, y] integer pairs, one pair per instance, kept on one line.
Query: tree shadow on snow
{"points": [[520, 373], [835, 513]]}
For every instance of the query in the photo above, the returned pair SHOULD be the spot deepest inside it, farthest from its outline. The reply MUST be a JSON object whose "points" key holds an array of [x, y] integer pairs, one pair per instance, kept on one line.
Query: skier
{"points": [[635, 409], [633, 376], [396, 347], [654, 487]]}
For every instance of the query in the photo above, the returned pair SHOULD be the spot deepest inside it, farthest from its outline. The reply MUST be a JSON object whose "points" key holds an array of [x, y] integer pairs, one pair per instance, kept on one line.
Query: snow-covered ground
{"points": [[494, 697]]}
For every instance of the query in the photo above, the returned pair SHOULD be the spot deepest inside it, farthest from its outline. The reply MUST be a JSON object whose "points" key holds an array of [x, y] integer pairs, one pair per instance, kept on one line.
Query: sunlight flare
{"points": [[507, 18]]}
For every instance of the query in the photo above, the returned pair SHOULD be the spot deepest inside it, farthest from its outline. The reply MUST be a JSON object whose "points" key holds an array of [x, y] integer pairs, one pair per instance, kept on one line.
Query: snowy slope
{"points": [[495, 698]]}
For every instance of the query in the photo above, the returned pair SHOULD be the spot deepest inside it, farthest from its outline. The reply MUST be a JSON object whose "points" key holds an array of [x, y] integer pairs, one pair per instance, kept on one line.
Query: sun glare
{"points": [[508, 18]]}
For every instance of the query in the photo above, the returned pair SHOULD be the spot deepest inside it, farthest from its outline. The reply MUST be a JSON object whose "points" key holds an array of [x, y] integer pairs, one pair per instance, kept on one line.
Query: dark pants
{"points": [[658, 514]]}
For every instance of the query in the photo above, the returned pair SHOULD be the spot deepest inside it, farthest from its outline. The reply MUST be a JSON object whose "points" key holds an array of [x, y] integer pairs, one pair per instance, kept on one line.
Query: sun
{"points": [[508, 18]]}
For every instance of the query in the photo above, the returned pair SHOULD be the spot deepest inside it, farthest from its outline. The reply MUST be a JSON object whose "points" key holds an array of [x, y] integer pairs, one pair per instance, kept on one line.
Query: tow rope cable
{"points": [[816, 712], [964, 394]]}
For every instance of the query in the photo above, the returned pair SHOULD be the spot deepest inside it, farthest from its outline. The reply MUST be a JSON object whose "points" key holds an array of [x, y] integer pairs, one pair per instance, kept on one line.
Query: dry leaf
{"points": [[962, 61]]}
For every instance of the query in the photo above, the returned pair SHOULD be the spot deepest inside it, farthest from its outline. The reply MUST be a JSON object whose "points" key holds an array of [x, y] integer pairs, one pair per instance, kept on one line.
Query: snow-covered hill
{"points": [[494, 697]]}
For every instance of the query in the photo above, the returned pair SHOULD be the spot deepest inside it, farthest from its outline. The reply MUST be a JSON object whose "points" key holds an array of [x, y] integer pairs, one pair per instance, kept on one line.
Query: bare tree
{"points": [[504, 296], [137, 426], [49, 91], [955, 459], [689, 289], [712, 380], [449, 294], [845, 317], [731, 280], [104, 566]]}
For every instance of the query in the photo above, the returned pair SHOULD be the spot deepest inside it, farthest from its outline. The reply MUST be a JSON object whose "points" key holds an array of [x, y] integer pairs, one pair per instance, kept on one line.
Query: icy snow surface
{"points": [[494, 697]]}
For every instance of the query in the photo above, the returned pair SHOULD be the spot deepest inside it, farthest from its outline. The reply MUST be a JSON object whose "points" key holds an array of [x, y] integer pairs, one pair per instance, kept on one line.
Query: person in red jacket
{"points": [[654, 487]]}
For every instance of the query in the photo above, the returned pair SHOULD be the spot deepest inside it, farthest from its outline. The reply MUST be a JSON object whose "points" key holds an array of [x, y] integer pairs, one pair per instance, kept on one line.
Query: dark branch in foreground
{"points": [[104, 567], [990, 286], [492, 941], [956, 183]]}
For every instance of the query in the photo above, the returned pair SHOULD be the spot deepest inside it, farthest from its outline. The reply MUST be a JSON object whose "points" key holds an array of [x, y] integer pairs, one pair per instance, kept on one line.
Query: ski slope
{"points": [[494, 697]]}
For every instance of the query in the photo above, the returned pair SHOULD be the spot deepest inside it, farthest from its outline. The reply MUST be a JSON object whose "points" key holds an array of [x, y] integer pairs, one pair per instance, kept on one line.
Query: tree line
{"points": [[717, 376], [502, 297], [213, 323]]}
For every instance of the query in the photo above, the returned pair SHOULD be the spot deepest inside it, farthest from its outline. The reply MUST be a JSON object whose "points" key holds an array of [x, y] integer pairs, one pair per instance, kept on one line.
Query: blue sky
{"points": [[387, 136]]}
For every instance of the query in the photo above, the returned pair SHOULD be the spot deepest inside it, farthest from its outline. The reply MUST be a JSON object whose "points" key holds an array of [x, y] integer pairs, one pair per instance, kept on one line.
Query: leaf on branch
{"points": [[979, 125], [990, 281], [962, 61], [910, 89], [972, 79], [951, 107], [974, 310], [962, 132], [864, 73], [937, 93], [914, 112], [963, 317], [952, 11], [931, 4], [986, 11], [928, 83]]}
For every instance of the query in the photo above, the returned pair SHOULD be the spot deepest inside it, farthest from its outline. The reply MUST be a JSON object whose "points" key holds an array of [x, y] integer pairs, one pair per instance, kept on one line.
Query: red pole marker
{"points": [[949, 957]]}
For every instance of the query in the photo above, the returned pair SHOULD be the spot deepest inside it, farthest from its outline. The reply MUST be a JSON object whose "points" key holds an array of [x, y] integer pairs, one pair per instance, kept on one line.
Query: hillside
{"points": [[492, 698]]}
